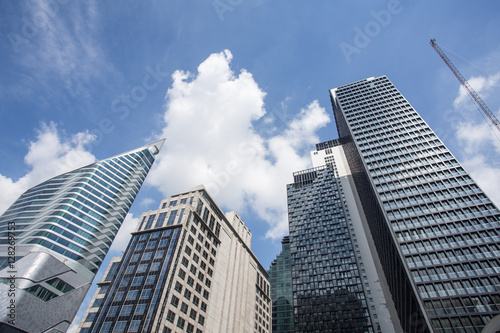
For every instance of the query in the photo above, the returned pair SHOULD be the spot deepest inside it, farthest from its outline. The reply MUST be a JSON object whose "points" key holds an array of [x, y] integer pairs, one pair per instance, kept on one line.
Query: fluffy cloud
{"points": [[123, 236], [211, 140], [479, 140], [482, 85], [48, 156]]}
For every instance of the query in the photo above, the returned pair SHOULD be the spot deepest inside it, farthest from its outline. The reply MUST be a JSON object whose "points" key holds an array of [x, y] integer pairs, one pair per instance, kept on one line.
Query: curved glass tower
{"points": [[54, 237]]}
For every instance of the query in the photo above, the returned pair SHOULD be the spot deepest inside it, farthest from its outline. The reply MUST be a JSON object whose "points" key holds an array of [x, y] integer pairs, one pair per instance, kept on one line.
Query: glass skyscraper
{"points": [[188, 268], [436, 233], [280, 278], [335, 282], [54, 237]]}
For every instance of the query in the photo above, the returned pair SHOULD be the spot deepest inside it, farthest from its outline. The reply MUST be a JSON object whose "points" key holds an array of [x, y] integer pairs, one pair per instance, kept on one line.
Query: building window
{"points": [[159, 254], [170, 316], [134, 326], [106, 327], [140, 309], [112, 311], [137, 281], [174, 301], [145, 294], [126, 310], [185, 262], [103, 289], [182, 274], [97, 303], [184, 308], [119, 296], [192, 314], [187, 294], [180, 323], [150, 279], [90, 317], [120, 327], [155, 266], [132, 295], [190, 281]]}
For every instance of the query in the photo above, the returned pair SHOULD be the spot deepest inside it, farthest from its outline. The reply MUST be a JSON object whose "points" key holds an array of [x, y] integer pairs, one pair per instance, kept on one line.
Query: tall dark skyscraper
{"points": [[54, 237], [336, 285], [280, 278], [436, 233]]}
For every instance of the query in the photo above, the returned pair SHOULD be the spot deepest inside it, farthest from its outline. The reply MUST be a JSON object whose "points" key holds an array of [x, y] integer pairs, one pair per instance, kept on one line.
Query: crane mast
{"points": [[467, 86]]}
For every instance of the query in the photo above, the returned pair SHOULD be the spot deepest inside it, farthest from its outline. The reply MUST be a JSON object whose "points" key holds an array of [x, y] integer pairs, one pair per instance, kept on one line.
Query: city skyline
{"points": [[74, 90]]}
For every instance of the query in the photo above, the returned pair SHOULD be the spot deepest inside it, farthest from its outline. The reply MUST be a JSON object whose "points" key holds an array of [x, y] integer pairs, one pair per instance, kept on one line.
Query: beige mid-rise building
{"points": [[188, 268]]}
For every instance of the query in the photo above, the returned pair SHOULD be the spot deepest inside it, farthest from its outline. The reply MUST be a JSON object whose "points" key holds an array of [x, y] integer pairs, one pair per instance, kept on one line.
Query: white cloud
{"points": [[124, 234], [74, 325], [58, 43], [211, 140], [147, 202], [48, 156], [478, 140], [486, 174], [481, 85]]}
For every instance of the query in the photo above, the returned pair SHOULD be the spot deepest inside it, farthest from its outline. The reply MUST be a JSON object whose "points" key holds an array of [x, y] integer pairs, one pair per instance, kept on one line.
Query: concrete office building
{"points": [[58, 233], [435, 231], [188, 268]]}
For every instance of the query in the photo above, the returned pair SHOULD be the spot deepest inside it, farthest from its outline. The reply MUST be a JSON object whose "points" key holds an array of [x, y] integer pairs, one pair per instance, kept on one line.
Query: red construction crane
{"points": [[467, 86]]}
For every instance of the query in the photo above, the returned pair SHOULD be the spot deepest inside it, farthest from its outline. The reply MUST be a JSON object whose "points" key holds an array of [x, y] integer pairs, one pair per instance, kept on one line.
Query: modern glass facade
{"points": [[136, 288], [63, 229], [187, 268], [280, 278], [328, 292], [437, 234]]}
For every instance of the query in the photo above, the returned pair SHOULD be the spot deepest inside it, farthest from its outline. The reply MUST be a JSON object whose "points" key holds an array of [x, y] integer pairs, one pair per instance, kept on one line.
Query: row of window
{"points": [[450, 242], [426, 226], [441, 258], [456, 271]]}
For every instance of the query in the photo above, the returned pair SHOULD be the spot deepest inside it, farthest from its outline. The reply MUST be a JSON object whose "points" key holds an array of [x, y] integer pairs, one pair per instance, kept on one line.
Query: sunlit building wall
{"points": [[188, 268]]}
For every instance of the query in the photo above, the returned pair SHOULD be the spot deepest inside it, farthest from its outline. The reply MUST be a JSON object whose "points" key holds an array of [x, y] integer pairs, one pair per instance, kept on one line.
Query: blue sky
{"points": [[239, 88]]}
